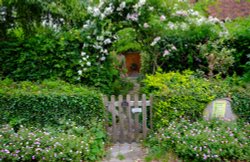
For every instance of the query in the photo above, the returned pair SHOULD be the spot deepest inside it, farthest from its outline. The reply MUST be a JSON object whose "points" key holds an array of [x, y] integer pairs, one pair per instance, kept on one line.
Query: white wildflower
{"points": [[213, 19], [121, 6], [107, 41], [145, 25], [171, 25], [96, 12], [166, 52], [181, 13], [108, 10], [162, 18], [100, 38], [133, 17], [151, 8], [103, 58], [83, 53], [157, 39], [173, 48], [88, 63], [79, 72]]}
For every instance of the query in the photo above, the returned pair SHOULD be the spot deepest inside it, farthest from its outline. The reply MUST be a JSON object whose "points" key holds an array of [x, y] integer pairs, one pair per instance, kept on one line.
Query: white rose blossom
{"points": [[83, 53], [166, 52], [157, 39], [145, 25], [121, 6], [162, 18], [88, 63], [133, 17], [107, 41], [103, 58], [79, 72], [96, 12]]}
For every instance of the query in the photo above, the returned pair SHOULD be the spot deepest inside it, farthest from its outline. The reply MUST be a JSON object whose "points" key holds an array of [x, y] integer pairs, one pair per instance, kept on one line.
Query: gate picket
{"points": [[125, 126], [144, 116]]}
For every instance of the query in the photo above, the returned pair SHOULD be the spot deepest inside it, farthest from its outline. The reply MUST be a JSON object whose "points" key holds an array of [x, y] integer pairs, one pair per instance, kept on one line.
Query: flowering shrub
{"points": [[76, 143], [203, 140]]}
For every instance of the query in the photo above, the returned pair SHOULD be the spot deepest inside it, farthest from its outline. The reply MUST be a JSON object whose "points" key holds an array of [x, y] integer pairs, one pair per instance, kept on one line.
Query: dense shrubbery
{"points": [[48, 103], [66, 143], [239, 38], [178, 95], [203, 141], [186, 95]]}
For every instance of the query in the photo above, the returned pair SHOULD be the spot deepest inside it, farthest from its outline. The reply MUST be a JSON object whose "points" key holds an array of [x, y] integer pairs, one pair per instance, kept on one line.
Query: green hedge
{"points": [[48, 103]]}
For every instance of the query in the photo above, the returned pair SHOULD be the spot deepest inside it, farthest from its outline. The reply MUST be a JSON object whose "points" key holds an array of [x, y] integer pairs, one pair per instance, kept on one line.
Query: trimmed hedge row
{"points": [[48, 103]]}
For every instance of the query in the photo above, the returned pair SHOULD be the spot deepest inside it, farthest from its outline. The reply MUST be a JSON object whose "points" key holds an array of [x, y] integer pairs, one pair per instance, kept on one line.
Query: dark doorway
{"points": [[133, 63]]}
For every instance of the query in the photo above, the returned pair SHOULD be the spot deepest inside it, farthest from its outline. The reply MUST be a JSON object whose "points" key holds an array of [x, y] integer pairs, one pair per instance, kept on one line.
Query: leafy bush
{"points": [[68, 143], [241, 101], [203, 140], [239, 39], [48, 103], [178, 94]]}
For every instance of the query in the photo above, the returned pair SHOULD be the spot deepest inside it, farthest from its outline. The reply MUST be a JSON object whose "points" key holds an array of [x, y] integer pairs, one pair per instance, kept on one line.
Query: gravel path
{"points": [[125, 153]]}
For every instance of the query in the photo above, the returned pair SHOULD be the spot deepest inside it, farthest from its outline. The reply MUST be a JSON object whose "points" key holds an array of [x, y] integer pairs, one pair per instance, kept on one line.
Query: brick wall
{"points": [[229, 8]]}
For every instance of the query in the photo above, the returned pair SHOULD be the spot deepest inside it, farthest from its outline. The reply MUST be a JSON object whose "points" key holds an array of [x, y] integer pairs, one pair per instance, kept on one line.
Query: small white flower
{"points": [[213, 19], [100, 38], [122, 5], [162, 18], [80, 72], [181, 13], [104, 51], [83, 53], [133, 17], [96, 12], [108, 10], [157, 39], [103, 58], [173, 48], [97, 47], [151, 8], [145, 25], [107, 41], [171, 25], [166, 52], [88, 63]]}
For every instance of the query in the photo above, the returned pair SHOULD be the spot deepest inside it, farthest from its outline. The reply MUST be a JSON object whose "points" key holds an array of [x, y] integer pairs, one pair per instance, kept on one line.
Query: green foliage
{"points": [[76, 143], [241, 101], [180, 94], [219, 58], [202, 5], [239, 39], [48, 103], [42, 56], [126, 41], [202, 141]]}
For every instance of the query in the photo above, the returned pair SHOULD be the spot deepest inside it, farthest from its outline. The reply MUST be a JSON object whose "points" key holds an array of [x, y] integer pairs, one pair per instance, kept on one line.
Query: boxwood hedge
{"points": [[48, 103]]}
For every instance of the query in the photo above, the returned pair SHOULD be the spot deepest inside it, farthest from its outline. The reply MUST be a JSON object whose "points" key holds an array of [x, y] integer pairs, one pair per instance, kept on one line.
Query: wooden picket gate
{"points": [[131, 117]]}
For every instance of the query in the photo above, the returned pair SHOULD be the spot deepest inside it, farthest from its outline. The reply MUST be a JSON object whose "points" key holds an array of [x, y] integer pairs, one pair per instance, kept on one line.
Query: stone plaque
{"points": [[219, 109]]}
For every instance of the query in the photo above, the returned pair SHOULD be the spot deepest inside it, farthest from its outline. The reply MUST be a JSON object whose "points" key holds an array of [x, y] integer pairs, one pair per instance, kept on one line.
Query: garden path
{"points": [[136, 87], [125, 152]]}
